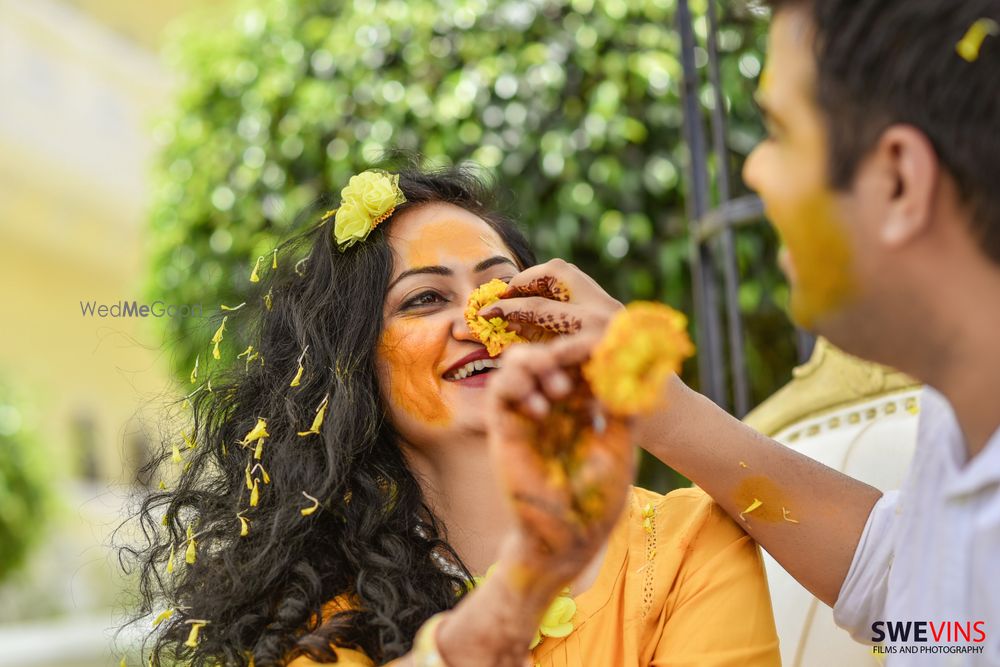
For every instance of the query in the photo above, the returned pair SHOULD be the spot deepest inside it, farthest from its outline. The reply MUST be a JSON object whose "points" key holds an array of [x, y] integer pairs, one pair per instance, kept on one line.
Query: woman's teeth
{"points": [[468, 369]]}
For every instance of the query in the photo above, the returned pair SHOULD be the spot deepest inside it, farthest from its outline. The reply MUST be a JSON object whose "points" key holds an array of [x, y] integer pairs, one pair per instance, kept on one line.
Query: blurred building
{"points": [[82, 84]]}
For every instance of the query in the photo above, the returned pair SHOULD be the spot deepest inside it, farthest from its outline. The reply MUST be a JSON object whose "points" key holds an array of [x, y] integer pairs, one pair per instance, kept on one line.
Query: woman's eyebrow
{"points": [[493, 261], [445, 271]]}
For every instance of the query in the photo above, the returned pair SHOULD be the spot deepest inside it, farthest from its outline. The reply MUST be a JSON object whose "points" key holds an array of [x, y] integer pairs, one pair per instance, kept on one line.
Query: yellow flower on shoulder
{"points": [[492, 333], [369, 199], [642, 346], [558, 618]]}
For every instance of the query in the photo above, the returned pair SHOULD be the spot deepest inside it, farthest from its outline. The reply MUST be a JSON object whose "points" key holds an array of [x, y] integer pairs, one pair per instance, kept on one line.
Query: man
{"points": [[880, 173]]}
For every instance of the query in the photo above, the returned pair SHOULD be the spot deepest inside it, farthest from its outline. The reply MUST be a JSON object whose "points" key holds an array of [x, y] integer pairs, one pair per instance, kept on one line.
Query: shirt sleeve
{"points": [[721, 614], [862, 597]]}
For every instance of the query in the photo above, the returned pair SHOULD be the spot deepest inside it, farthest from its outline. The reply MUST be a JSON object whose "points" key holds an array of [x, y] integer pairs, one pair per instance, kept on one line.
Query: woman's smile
{"points": [[471, 370]]}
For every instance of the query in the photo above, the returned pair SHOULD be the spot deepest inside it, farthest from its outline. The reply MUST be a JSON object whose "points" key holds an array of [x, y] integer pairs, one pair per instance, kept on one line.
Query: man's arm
{"points": [[810, 517]]}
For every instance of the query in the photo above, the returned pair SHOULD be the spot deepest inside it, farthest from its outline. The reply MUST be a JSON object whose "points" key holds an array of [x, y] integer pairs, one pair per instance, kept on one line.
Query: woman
{"points": [[339, 490]]}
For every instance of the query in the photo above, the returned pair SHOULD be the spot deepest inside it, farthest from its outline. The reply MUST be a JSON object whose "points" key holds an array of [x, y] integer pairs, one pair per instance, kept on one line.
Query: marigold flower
{"points": [[642, 346], [492, 333]]}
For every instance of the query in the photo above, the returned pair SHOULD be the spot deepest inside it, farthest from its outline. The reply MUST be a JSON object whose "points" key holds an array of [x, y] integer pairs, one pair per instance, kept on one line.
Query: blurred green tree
{"points": [[25, 490], [573, 104]]}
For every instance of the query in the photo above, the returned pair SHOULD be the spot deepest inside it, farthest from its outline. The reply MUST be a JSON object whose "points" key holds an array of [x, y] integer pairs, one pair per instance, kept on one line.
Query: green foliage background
{"points": [[26, 490], [574, 105]]}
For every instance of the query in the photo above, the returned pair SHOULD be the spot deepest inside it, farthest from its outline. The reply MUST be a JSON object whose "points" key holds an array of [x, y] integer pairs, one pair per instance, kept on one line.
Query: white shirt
{"points": [[931, 551]]}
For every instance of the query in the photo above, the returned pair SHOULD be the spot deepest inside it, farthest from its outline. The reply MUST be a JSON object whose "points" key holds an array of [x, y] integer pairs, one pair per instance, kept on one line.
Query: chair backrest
{"points": [[856, 417]]}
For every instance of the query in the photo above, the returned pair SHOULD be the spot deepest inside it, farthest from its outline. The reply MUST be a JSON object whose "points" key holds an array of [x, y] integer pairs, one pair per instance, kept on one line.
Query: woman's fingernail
{"points": [[491, 313], [538, 405], [561, 384]]}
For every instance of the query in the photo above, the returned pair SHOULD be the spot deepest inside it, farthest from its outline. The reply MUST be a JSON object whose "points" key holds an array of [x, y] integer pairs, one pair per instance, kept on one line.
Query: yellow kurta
{"points": [[681, 585]]}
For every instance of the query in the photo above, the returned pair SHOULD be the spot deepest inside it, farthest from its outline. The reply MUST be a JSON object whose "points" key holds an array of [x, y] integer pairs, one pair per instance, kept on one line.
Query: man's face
{"points": [[789, 171]]}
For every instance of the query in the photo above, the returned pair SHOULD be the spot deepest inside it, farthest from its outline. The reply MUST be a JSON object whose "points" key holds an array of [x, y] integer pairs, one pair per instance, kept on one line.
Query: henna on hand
{"points": [[547, 287]]}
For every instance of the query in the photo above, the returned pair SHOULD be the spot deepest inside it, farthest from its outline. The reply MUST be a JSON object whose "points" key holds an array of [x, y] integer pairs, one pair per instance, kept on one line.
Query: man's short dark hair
{"points": [[887, 62]]}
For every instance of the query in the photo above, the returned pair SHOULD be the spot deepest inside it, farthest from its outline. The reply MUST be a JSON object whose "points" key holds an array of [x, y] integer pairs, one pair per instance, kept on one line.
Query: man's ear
{"points": [[906, 156]]}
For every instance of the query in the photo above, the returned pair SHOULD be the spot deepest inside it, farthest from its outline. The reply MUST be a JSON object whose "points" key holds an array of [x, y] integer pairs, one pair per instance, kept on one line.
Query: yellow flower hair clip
{"points": [[368, 200]]}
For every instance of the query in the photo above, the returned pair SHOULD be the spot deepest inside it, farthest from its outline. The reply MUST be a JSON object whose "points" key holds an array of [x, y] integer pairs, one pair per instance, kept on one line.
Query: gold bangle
{"points": [[425, 649]]}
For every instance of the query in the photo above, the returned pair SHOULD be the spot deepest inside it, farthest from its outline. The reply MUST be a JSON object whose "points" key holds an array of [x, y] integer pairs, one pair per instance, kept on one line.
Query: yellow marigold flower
{"points": [[642, 346], [647, 518], [369, 199], [492, 333], [972, 43]]}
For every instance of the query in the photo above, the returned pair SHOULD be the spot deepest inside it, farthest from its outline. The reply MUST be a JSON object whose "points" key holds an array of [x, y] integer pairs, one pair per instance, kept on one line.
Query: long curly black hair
{"points": [[262, 594]]}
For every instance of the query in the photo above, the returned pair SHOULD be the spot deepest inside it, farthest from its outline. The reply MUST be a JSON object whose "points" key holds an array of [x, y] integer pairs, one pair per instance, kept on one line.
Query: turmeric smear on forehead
{"points": [[413, 384], [447, 240]]}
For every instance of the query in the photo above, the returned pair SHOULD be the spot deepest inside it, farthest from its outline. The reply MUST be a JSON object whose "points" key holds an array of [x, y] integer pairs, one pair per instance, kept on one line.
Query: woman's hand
{"points": [[565, 465], [551, 299]]}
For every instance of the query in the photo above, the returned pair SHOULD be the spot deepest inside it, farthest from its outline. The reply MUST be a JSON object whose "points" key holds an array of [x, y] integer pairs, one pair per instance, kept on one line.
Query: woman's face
{"points": [[441, 253]]}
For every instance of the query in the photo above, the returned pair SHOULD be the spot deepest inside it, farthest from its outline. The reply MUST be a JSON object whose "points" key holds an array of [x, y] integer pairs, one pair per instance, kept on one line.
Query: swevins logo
{"points": [[929, 631]]}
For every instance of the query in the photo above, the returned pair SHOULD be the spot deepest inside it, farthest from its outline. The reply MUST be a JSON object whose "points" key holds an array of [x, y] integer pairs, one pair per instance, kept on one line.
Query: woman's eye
{"points": [[423, 299]]}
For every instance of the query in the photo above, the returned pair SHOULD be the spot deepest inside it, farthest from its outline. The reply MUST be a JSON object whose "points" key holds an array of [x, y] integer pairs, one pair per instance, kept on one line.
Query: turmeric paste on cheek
{"points": [[414, 386]]}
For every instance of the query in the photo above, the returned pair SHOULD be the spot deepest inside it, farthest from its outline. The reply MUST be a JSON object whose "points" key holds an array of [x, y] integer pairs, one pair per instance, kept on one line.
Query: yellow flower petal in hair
{"points": [[225, 307], [176, 453], [492, 333], [189, 440], [170, 559], [254, 277], [164, 615], [274, 259], [306, 511], [267, 299], [191, 554], [217, 337], [249, 479], [244, 524], [263, 473], [318, 419], [194, 371], [255, 493], [257, 434], [972, 43], [368, 200], [642, 346], [298, 375], [196, 626]]}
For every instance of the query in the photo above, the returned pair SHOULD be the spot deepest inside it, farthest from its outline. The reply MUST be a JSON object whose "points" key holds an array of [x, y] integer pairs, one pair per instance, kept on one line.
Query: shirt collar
{"points": [[941, 427]]}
